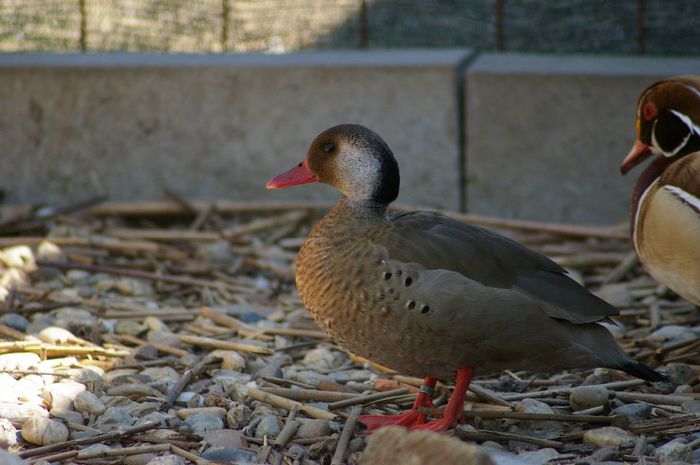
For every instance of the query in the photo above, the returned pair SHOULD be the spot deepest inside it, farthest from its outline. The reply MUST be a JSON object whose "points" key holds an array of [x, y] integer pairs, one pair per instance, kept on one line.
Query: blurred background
{"points": [[596, 26], [515, 108]]}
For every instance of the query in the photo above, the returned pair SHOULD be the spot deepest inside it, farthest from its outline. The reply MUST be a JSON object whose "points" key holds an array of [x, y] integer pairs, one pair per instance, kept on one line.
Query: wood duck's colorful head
{"points": [[668, 121], [353, 159]]}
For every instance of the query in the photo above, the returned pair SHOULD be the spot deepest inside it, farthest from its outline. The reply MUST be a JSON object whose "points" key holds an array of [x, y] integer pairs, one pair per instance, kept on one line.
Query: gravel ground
{"points": [[171, 333]]}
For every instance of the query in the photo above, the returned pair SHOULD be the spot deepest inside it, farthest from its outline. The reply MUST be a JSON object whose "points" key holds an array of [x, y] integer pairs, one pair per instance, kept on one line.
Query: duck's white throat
{"points": [[358, 174]]}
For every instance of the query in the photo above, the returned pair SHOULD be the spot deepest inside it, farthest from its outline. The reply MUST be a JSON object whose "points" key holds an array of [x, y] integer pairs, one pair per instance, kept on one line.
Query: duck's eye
{"points": [[329, 147], [648, 111]]}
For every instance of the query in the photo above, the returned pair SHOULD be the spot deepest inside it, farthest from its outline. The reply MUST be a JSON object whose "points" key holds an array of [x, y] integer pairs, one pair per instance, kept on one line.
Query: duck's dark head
{"points": [[353, 159], [668, 120]]}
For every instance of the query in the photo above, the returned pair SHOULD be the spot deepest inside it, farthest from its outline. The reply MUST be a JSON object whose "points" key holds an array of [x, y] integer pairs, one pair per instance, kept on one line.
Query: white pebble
{"points": [[111, 375], [8, 434], [324, 359], [155, 324], [169, 459], [13, 277], [609, 436], [617, 295], [44, 431], [231, 360], [97, 448], [585, 397], [56, 335], [533, 406], [674, 451], [61, 395], [669, 332], [139, 459], [20, 256], [162, 374], [185, 413], [134, 391], [133, 287], [21, 413], [87, 403], [19, 361], [313, 429], [47, 250]]}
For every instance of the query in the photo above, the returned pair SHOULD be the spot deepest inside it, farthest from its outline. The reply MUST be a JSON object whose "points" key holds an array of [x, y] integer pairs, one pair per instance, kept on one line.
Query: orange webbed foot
{"points": [[408, 420]]}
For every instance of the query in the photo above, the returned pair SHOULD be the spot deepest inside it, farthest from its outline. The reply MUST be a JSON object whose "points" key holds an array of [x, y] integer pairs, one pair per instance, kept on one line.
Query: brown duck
{"points": [[665, 220], [429, 296]]}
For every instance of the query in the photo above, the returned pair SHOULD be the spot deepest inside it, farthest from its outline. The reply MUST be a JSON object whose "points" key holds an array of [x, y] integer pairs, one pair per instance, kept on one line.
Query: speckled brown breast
{"points": [[360, 298]]}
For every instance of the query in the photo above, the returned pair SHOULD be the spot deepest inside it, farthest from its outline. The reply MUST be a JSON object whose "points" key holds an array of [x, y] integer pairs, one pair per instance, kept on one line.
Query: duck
{"points": [[665, 210], [432, 297]]}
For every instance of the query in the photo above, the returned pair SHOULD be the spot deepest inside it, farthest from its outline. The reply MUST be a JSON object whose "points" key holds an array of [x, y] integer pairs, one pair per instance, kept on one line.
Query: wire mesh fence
{"points": [[591, 26]]}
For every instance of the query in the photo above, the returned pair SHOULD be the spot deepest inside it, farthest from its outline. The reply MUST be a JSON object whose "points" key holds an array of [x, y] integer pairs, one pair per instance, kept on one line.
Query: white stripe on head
{"points": [[693, 90], [688, 122]]}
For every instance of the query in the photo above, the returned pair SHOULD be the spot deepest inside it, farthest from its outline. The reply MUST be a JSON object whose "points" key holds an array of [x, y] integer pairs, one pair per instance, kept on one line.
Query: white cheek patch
{"points": [[359, 173], [684, 196]]}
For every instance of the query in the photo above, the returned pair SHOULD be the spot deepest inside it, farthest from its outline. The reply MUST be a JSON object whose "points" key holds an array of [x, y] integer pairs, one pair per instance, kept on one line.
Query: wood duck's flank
{"points": [[428, 296]]}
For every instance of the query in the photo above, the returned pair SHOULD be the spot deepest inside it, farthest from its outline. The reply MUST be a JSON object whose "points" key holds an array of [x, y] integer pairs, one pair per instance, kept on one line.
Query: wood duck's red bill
{"points": [[638, 154], [300, 174]]}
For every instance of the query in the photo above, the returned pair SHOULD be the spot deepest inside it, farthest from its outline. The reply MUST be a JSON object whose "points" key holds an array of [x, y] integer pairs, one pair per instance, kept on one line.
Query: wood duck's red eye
{"points": [[648, 111]]}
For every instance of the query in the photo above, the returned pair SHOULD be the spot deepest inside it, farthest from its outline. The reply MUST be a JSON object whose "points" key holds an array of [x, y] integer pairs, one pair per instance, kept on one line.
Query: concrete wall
{"points": [[544, 135], [219, 126]]}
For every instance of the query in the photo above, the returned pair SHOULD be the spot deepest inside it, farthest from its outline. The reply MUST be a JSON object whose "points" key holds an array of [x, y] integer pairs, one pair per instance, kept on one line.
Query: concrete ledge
{"points": [[522, 63], [546, 134], [218, 126], [350, 58]]}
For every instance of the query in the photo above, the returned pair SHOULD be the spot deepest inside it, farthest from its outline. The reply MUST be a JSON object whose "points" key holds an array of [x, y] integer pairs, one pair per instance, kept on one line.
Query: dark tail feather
{"points": [[642, 371]]}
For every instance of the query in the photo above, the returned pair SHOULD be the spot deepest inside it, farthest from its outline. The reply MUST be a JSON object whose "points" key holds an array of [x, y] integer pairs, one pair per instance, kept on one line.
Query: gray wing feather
{"points": [[438, 242]]}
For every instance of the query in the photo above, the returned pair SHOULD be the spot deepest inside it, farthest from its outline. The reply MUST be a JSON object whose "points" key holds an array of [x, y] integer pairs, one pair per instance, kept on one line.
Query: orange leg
{"points": [[410, 419], [455, 406]]}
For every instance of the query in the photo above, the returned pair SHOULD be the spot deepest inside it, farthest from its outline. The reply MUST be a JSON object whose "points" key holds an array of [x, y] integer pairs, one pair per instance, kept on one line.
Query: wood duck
{"points": [[665, 213], [429, 296]]}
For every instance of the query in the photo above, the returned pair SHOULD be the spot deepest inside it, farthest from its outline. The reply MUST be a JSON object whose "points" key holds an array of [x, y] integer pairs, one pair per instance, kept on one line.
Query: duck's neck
{"points": [[353, 210]]}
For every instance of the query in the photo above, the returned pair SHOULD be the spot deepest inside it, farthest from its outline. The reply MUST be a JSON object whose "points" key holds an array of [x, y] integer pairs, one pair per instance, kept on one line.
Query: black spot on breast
{"points": [[408, 281]]}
